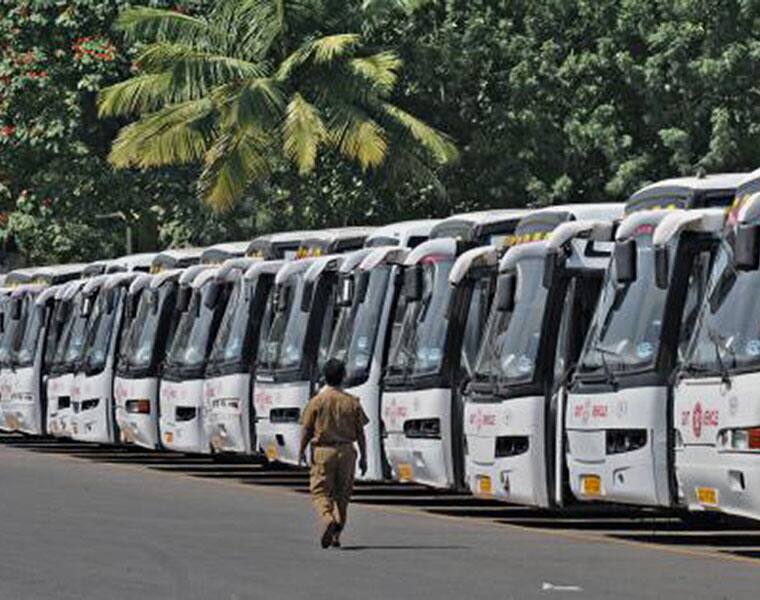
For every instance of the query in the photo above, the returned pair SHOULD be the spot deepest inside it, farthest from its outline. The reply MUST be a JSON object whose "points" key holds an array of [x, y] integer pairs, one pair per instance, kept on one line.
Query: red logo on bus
{"points": [[696, 420]]}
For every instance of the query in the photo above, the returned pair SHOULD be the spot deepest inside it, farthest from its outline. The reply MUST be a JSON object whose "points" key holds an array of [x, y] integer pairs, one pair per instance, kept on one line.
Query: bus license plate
{"points": [[707, 496], [169, 437], [484, 485], [405, 472], [272, 452], [591, 485]]}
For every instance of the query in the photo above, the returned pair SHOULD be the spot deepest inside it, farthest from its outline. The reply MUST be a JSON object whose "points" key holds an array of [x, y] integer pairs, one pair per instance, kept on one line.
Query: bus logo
{"points": [[696, 420]]}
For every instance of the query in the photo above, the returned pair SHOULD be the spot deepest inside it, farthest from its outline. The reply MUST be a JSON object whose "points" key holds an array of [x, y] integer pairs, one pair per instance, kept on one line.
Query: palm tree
{"points": [[256, 82]]}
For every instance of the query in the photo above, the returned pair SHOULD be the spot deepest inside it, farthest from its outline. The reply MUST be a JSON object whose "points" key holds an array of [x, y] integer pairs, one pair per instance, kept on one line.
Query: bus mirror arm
{"points": [[661, 266]]}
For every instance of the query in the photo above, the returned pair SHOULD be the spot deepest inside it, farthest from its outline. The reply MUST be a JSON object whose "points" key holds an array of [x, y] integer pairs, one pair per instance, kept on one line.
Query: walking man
{"points": [[333, 421]]}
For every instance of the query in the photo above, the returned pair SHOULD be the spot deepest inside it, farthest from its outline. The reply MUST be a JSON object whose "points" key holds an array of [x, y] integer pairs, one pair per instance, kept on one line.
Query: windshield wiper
{"points": [[608, 373], [718, 343]]}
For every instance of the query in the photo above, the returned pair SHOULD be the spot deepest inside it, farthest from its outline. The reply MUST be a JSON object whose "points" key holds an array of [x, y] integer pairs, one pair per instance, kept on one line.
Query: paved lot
{"points": [[141, 525]]}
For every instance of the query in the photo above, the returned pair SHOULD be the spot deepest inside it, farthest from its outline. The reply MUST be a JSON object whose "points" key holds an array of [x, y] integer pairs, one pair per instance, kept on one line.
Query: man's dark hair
{"points": [[334, 372]]}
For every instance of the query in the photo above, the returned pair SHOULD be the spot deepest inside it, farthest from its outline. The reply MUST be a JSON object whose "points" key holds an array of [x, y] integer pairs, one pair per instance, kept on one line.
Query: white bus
{"points": [[547, 288], [716, 412], [27, 408], [435, 332], [619, 417], [151, 320], [93, 416], [368, 293], [228, 414]]}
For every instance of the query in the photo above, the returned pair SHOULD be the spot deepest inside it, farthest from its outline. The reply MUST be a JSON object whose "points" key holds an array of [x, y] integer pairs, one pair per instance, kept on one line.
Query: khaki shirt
{"points": [[334, 417]]}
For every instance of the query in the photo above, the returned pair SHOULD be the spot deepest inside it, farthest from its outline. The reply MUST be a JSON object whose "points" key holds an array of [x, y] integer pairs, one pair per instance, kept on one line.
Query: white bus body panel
{"points": [[227, 413], [636, 477], [182, 436], [280, 441], [59, 419], [704, 407], [369, 397], [6, 389], [520, 479], [425, 461], [93, 424], [139, 429], [24, 411]]}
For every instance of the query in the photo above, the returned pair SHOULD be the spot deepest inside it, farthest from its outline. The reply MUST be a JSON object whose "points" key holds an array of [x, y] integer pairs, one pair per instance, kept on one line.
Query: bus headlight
{"points": [[625, 440], [139, 407], [747, 438]]}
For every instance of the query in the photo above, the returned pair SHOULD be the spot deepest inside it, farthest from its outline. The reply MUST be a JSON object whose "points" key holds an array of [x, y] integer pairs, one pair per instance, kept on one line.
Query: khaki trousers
{"points": [[332, 481]]}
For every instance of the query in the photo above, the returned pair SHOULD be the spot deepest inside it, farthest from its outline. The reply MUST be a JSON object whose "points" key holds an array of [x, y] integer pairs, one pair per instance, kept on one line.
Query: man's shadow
{"points": [[402, 547]]}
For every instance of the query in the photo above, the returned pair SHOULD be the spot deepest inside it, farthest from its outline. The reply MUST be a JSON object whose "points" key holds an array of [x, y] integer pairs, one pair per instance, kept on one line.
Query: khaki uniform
{"points": [[334, 420]]}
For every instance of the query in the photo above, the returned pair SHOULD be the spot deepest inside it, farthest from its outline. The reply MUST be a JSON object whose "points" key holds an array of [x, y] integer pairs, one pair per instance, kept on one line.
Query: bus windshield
{"points": [[69, 350], [510, 348], [356, 330], [419, 347], [190, 345], [10, 335], [30, 325], [138, 343], [282, 344], [728, 331], [100, 330], [625, 331], [228, 346]]}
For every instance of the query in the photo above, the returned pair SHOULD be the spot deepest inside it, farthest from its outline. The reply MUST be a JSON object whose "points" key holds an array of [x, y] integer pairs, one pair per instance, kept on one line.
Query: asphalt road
{"points": [[77, 529]]}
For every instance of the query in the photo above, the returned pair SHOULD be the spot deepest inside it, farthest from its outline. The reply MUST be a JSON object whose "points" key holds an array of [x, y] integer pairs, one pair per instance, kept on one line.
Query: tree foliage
{"points": [[287, 80], [548, 101]]}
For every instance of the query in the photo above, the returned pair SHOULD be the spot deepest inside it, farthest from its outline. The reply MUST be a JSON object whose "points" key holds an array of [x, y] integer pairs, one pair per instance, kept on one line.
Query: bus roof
{"points": [[479, 227], [218, 253], [335, 241], [177, 258], [274, 246], [404, 233], [687, 192]]}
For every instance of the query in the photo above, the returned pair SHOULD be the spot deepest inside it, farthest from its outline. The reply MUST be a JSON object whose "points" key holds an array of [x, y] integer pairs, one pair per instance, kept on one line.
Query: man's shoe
{"points": [[329, 534], [336, 537]]}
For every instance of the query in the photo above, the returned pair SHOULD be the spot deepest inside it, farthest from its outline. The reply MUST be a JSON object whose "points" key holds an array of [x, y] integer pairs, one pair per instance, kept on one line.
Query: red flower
{"points": [[8, 131]]}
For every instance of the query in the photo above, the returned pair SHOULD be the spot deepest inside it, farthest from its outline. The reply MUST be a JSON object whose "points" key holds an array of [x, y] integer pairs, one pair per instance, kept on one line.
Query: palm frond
{"points": [[236, 161], [261, 102], [177, 134], [329, 47], [357, 136], [144, 93], [303, 132], [439, 145], [380, 69], [156, 24]]}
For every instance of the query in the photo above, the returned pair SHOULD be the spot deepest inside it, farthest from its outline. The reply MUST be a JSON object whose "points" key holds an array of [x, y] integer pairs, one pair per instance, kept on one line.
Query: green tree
{"points": [[258, 82]]}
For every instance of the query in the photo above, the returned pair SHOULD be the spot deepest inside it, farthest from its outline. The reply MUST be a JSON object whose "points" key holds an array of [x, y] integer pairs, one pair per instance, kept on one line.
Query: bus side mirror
{"points": [[132, 302], [551, 265], [16, 309], [86, 308], [308, 296], [213, 295], [661, 268], [361, 285], [183, 298], [346, 290], [2, 322], [413, 283], [280, 299], [625, 261], [505, 293], [110, 300], [746, 255]]}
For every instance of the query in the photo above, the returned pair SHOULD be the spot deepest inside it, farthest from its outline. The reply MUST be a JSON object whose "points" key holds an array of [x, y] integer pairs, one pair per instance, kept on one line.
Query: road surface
{"points": [[78, 529]]}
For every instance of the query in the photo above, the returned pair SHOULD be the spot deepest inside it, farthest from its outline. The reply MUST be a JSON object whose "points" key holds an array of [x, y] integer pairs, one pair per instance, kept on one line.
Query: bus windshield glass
{"points": [[419, 347], [100, 330], [138, 343], [229, 343], [625, 331], [728, 331], [508, 354], [281, 346], [356, 330], [30, 325], [191, 340], [69, 349]]}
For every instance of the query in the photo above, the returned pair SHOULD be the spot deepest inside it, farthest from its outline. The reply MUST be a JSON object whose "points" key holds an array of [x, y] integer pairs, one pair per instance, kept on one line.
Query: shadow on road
{"points": [[402, 547]]}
